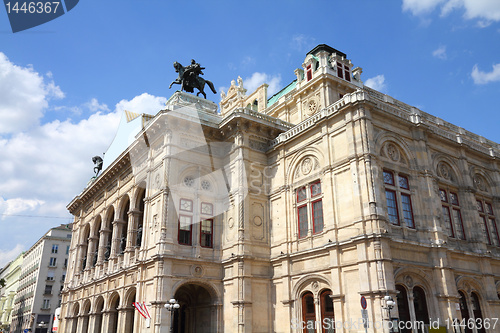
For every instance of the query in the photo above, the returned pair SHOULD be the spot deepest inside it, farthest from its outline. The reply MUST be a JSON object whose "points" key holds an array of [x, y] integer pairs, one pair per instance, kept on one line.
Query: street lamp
{"points": [[171, 306], [389, 305]]}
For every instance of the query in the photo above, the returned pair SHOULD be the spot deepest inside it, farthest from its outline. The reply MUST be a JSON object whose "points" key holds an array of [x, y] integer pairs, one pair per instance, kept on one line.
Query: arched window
{"points": [[124, 231], [478, 315], [420, 304], [85, 243], [308, 313], [95, 235], [403, 307], [327, 313], [464, 310], [109, 226], [140, 224]]}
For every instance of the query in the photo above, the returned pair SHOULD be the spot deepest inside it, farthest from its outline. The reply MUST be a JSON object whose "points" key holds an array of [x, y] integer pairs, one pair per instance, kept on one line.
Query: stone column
{"points": [[92, 323], [104, 235], [117, 233], [91, 249]]}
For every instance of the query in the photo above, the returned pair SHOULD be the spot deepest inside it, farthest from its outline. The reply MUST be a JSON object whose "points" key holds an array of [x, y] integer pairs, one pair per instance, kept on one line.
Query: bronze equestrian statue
{"points": [[189, 78]]}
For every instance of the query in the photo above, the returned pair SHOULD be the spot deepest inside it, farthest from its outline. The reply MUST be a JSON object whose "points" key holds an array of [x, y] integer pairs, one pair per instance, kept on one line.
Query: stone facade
{"points": [[10, 274], [281, 212], [41, 280]]}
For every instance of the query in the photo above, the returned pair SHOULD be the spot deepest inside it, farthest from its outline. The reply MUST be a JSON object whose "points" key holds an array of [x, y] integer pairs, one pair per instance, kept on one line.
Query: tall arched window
{"points": [[478, 315], [464, 310], [95, 236], [420, 304], [140, 224], [403, 307], [85, 243], [308, 313], [109, 226], [327, 313], [124, 231]]}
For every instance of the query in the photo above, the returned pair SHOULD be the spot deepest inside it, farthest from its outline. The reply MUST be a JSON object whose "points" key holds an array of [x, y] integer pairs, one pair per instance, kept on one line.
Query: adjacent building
{"points": [[279, 214], [41, 279], [10, 275]]}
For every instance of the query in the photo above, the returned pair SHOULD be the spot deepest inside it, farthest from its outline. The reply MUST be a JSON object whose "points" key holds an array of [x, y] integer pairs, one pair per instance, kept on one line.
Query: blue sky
{"points": [[64, 84]]}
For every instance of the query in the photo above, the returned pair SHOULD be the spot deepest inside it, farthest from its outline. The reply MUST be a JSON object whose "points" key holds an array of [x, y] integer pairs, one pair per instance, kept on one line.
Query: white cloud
{"points": [[18, 205], [440, 52], [303, 43], [144, 103], [9, 255], [377, 83], [419, 7], [24, 96], [485, 11], [94, 106], [257, 79], [481, 77]]}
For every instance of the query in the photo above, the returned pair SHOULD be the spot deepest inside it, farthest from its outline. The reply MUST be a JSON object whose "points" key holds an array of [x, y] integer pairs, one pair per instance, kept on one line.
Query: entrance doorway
{"points": [[198, 313]]}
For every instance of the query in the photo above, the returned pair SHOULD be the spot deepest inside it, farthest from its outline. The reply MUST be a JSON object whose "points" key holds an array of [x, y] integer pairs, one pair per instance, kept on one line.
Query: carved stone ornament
{"points": [[158, 180], [409, 281], [392, 152], [188, 181], [479, 182], [444, 171], [312, 107], [230, 223], [197, 271], [315, 286], [307, 165], [257, 220]]}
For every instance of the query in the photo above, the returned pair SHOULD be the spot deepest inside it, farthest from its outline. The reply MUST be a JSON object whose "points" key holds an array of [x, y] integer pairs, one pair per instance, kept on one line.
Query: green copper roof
{"points": [[274, 98]]}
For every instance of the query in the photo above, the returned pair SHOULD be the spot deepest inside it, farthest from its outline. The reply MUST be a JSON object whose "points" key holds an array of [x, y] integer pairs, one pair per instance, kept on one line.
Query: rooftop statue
{"points": [[189, 78], [98, 164]]}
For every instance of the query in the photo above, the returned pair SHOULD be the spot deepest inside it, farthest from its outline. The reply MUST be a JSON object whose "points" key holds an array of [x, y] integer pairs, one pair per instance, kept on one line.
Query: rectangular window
{"points": [[301, 194], [315, 189], [309, 72], [452, 216], [347, 74], [484, 227], [66, 262], [403, 182], [317, 208], [488, 223], [392, 206], [388, 178], [186, 205], [50, 275], [55, 247], [67, 249], [52, 262], [303, 225], [185, 227], [494, 232], [458, 225], [46, 304], [48, 289], [207, 208], [407, 210], [206, 233], [340, 70]]}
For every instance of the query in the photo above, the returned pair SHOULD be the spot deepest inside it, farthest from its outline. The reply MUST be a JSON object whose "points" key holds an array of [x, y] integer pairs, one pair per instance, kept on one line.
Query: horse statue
{"points": [[189, 78], [98, 164]]}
